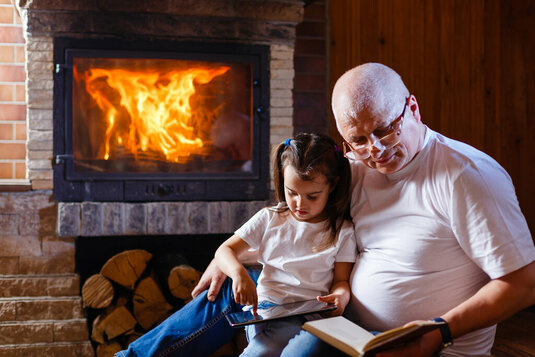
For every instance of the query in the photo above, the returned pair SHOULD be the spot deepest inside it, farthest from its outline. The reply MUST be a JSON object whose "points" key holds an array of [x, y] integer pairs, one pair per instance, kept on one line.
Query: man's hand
{"points": [[424, 346], [212, 279]]}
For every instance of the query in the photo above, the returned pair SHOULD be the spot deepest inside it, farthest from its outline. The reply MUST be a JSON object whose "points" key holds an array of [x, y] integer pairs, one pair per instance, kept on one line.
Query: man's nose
{"points": [[375, 147]]}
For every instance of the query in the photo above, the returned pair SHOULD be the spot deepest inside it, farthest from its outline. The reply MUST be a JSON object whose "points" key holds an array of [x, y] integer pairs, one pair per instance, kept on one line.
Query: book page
{"points": [[341, 329]]}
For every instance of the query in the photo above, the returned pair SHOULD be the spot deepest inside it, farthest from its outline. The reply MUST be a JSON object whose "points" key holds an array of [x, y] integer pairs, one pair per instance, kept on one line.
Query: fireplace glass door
{"points": [[149, 116], [134, 115]]}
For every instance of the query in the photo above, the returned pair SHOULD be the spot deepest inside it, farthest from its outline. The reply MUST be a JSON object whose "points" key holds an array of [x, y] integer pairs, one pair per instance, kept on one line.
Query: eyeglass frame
{"points": [[348, 148]]}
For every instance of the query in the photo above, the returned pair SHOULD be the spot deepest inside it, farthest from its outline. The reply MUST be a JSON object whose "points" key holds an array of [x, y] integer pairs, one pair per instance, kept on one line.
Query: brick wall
{"points": [[12, 95]]}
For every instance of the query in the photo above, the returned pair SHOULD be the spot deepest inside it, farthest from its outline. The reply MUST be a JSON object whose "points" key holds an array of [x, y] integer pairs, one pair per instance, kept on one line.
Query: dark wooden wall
{"points": [[470, 64]]}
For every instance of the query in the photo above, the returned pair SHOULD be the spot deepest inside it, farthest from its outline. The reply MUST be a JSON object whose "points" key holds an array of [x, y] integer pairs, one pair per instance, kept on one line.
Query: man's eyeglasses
{"points": [[381, 140]]}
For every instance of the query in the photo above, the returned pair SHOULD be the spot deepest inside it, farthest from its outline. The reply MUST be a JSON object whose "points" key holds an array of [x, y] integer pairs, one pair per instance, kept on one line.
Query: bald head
{"points": [[369, 90]]}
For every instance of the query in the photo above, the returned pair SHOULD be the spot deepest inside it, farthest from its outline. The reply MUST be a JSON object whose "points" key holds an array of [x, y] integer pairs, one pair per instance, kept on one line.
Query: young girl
{"points": [[305, 244]]}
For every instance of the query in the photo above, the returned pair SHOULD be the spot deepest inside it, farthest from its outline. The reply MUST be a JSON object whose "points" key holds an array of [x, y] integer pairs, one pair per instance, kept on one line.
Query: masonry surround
{"points": [[269, 23]]}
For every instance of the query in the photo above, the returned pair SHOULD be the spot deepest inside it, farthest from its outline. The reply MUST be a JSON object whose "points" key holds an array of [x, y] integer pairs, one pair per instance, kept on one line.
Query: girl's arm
{"points": [[226, 258], [340, 291]]}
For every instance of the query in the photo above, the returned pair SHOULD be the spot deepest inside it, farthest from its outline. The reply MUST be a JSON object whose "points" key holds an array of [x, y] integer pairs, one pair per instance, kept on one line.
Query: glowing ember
{"points": [[148, 111]]}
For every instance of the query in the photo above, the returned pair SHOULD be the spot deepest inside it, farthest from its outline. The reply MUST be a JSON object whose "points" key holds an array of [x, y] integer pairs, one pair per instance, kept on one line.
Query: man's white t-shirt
{"points": [[292, 270], [431, 235]]}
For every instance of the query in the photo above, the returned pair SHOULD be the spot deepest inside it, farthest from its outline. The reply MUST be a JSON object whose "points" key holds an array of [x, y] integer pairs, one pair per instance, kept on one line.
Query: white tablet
{"points": [[243, 318]]}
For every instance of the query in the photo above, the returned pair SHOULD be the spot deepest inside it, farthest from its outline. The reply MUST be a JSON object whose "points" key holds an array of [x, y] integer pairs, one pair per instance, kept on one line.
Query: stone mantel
{"points": [[153, 218]]}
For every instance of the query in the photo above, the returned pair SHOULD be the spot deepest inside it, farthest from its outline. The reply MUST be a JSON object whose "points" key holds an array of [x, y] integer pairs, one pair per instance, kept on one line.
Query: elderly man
{"points": [[438, 222], [440, 233]]}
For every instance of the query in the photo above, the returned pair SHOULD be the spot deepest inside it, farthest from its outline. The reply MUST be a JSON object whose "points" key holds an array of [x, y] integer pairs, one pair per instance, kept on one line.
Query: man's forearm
{"points": [[494, 302]]}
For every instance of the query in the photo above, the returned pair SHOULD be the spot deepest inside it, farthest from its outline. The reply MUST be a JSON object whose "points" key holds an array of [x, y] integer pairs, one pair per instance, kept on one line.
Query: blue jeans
{"points": [[200, 328]]}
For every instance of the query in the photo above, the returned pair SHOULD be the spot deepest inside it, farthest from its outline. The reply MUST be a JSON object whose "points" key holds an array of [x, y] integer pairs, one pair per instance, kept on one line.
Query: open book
{"points": [[356, 341]]}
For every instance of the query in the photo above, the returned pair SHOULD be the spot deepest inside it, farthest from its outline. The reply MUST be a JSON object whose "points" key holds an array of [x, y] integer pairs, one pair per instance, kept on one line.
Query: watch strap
{"points": [[445, 332]]}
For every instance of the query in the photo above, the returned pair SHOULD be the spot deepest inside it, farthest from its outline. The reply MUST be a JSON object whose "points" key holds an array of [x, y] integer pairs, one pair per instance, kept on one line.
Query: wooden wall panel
{"points": [[470, 65]]}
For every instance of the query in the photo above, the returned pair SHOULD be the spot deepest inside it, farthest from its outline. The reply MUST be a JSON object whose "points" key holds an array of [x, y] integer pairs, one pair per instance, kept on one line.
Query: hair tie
{"points": [[336, 148], [287, 142]]}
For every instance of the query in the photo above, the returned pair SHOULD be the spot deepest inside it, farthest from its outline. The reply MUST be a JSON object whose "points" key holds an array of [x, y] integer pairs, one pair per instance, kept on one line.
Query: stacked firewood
{"points": [[132, 293]]}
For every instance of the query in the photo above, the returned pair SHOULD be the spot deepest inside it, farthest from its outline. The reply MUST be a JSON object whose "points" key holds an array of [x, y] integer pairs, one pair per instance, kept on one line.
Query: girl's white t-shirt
{"points": [[292, 270]]}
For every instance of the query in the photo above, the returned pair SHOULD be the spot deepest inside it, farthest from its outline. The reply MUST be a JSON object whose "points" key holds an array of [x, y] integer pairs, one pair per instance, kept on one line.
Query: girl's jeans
{"points": [[197, 329], [200, 328]]}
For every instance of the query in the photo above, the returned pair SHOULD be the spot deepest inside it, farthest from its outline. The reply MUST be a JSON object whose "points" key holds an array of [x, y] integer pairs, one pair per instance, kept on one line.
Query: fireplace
{"points": [[160, 121]]}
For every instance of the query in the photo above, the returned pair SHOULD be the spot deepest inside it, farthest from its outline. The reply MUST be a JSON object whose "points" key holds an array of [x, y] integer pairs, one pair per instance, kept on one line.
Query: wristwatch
{"points": [[445, 332]]}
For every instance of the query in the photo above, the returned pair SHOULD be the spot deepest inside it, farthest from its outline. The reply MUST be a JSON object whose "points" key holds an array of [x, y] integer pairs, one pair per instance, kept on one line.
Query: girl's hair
{"points": [[311, 154]]}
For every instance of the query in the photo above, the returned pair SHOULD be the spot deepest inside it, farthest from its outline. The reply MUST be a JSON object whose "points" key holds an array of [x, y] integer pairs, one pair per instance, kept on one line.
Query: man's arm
{"points": [[213, 278], [494, 302]]}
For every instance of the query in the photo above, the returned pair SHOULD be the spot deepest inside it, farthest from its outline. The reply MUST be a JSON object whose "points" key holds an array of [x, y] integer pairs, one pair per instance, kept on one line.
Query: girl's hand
{"points": [[244, 290], [336, 299]]}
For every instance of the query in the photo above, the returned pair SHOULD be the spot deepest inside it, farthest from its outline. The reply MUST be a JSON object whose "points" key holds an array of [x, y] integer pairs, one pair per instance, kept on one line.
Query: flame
{"points": [[158, 105]]}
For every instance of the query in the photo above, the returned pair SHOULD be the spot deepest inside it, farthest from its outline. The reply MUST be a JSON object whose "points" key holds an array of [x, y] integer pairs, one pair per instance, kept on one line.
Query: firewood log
{"points": [[182, 279], [97, 292], [97, 331], [118, 322], [150, 305], [131, 337], [126, 267], [108, 349]]}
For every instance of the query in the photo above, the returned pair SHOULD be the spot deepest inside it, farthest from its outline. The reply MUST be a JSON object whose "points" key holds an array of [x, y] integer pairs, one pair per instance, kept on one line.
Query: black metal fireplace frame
{"points": [[71, 186]]}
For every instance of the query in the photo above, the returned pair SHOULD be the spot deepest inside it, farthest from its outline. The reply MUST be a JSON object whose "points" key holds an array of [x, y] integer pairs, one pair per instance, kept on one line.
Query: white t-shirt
{"points": [[432, 234], [292, 271]]}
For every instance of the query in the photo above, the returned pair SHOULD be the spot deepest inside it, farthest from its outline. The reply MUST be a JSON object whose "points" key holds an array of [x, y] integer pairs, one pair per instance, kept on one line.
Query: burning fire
{"points": [[148, 110]]}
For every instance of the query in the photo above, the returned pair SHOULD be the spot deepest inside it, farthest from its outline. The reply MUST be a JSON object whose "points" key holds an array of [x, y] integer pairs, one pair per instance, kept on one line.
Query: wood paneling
{"points": [[470, 65]]}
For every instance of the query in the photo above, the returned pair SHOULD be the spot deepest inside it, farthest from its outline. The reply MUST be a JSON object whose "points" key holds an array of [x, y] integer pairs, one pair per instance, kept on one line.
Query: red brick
{"points": [[11, 34], [12, 151], [20, 131], [6, 15], [6, 131], [13, 112], [6, 94], [19, 54], [7, 54], [12, 73], [6, 170], [20, 93], [20, 170]]}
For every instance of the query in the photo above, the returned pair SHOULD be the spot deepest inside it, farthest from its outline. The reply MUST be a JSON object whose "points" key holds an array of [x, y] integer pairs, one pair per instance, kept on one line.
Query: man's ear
{"points": [[414, 108]]}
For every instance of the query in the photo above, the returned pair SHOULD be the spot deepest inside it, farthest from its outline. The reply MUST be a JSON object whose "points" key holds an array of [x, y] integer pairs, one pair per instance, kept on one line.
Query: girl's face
{"points": [[306, 198]]}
